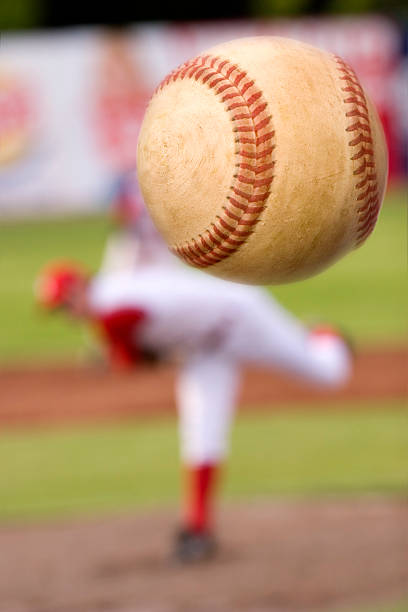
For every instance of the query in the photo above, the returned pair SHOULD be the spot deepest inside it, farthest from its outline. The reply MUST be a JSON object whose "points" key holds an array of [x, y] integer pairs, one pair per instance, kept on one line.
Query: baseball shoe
{"points": [[333, 332], [194, 546]]}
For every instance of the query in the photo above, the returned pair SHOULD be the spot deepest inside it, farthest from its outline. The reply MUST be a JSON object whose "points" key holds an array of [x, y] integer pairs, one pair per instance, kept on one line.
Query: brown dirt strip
{"points": [[306, 556], [48, 395]]}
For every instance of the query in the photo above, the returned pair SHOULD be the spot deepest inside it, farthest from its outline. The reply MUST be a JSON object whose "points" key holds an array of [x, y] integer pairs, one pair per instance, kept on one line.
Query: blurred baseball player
{"points": [[211, 328]]}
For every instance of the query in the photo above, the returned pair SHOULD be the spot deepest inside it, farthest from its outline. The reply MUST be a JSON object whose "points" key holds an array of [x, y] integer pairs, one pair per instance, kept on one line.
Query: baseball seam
{"points": [[363, 151], [254, 142]]}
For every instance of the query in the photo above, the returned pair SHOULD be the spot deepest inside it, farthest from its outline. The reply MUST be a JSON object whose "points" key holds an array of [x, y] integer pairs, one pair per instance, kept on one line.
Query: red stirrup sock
{"points": [[201, 481]]}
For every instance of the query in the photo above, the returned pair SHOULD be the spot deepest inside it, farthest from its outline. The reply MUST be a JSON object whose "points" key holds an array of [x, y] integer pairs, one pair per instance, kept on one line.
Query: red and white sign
{"points": [[71, 104]]}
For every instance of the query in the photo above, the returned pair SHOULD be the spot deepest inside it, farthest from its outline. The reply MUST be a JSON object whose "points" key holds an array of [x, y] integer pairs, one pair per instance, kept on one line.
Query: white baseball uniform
{"points": [[213, 327]]}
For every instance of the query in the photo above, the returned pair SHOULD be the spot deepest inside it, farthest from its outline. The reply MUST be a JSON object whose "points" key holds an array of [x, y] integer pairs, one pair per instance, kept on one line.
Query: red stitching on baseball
{"points": [[245, 87], [224, 87], [243, 233], [230, 96], [239, 79], [258, 198], [221, 65], [364, 167], [254, 98], [225, 225], [262, 124], [358, 125], [205, 244], [266, 152], [247, 154], [198, 74], [251, 141], [368, 177], [367, 204], [356, 101], [361, 152], [237, 204], [353, 90], [242, 194], [264, 138], [367, 187], [262, 182], [225, 248], [250, 186], [245, 179], [230, 214], [258, 110], [216, 81], [216, 230], [357, 113], [244, 128], [360, 138], [257, 169], [241, 116]]}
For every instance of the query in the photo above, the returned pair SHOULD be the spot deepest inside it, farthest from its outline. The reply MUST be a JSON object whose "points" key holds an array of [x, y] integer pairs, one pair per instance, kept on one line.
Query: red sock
{"points": [[200, 492]]}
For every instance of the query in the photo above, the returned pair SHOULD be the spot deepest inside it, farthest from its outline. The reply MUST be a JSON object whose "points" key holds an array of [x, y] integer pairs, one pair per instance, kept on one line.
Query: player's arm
{"points": [[119, 331]]}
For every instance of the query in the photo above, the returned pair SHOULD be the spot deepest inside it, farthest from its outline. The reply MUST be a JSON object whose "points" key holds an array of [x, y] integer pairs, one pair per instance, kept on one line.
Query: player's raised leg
{"points": [[271, 336]]}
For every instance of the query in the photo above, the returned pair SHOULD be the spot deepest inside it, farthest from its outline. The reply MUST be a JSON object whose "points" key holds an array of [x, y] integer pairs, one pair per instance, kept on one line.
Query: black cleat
{"points": [[194, 546]]}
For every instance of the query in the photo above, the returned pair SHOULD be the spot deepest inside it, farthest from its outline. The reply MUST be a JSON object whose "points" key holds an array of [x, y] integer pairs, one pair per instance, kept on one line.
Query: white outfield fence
{"points": [[71, 103]]}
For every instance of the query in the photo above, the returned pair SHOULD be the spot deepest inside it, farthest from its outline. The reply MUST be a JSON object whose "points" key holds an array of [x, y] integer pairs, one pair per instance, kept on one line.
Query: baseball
{"points": [[262, 160]]}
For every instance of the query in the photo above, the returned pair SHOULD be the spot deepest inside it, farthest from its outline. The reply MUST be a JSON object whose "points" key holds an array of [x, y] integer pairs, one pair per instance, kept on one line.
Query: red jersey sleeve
{"points": [[119, 329]]}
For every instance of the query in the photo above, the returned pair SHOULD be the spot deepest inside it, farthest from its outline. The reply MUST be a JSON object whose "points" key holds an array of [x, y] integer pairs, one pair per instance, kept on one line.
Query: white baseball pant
{"points": [[264, 333]]}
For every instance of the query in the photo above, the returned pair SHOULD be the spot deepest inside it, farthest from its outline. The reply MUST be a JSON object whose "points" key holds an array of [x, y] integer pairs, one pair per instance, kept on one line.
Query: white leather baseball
{"points": [[262, 160]]}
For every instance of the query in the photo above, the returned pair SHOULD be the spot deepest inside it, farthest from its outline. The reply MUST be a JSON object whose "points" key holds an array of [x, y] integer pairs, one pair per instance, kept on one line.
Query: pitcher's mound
{"points": [[274, 557]]}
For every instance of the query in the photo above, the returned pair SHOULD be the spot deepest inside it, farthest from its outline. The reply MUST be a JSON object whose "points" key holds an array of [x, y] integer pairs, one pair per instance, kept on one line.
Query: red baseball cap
{"points": [[56, 281]]}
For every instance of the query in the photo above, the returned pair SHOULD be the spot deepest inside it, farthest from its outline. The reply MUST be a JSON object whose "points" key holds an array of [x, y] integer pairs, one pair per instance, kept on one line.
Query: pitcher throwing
{"points": [[211, 328]]}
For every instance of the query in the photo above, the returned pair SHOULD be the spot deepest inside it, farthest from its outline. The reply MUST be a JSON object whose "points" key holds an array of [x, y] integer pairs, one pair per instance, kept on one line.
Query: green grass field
{"points": [[366, 292], [55, 472], [115, 467]]}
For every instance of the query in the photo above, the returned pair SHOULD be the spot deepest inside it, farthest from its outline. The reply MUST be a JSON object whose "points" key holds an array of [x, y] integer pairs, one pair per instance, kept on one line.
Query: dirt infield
{"points": [[274, 557], [62, 394]]}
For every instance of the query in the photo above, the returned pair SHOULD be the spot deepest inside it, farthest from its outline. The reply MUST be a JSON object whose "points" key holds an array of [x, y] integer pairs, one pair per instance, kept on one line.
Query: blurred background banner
{"points": [[71, 104]]}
